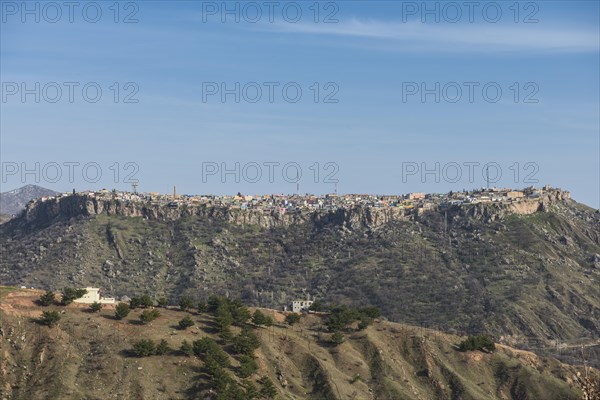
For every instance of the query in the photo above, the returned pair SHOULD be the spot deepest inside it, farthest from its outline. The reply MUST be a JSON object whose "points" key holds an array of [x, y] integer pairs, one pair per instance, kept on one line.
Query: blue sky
{"points": [[370, 58]]}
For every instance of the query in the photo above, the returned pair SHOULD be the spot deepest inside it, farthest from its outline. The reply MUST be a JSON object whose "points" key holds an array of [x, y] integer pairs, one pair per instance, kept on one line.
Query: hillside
{"points": [[87, 355], [526, 273]]}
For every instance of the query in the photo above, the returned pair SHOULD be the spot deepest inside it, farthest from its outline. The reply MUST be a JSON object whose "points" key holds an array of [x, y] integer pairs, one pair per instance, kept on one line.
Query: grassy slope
{"points": [[86, 357]]}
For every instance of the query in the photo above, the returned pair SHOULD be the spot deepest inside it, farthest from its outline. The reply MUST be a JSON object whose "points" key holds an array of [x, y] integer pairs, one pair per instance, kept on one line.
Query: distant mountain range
{"points": [[14, 201]]}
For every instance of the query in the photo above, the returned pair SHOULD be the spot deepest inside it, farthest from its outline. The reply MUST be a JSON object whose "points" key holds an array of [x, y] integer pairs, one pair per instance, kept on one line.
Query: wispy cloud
{"points": [[456, 37]]}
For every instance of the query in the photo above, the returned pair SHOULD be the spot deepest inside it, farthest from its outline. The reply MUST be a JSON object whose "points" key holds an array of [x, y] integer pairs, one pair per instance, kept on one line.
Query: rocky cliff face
{"points": [[66, 207]]}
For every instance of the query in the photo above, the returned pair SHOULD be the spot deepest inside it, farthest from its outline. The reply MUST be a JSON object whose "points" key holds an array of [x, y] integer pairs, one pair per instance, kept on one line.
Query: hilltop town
{"points": [[279, 203]]}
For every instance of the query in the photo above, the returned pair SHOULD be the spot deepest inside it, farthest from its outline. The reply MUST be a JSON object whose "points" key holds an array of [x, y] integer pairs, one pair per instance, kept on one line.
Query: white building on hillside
{"points": [[301, 305], [93, 295]]}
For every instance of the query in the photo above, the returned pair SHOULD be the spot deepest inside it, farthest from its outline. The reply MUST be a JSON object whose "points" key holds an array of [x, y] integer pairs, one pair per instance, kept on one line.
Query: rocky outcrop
{"points": [[45, 212], [42, 213]]}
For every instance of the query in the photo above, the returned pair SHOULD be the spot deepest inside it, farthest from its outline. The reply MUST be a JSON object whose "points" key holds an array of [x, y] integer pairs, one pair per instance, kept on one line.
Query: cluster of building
{"points": [[93, 296], [418, 202]]}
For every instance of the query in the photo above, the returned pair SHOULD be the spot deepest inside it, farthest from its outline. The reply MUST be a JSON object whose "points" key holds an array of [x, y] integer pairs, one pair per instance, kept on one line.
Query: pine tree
{"points": [[122, 310], [267, 389], [47, 298]]}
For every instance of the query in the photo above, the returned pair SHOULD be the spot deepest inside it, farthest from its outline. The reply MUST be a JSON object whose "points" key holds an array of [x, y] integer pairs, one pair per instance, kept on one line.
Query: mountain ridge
{"points": [[524, 271], [14, 201]]}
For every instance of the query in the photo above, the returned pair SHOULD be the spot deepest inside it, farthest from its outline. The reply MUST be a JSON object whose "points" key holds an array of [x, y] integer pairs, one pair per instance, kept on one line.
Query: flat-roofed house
{"points": [[514, 194], [93, 296], [301, 305]]}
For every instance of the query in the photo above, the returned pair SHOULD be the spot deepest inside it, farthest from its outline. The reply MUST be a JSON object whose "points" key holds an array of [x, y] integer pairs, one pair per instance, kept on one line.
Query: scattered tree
{"points": [[134, 303], [202, 307], [240, 315], [211, 352], [267, 389], [95, 306], [364, 322], [259, 318], [144, 348], [185, 323], [47, 298], [69, 294], [246, 342], [146, 301], [186, 348], [248, 366], [185, 303], [162, 302], [478, 342], [317, 305], [342, 316], [292, 318], [251, 390], [337, 338], [122, 310], [223, 318], [269, 321], [50, 318], [148, 316], [370, 311], [162, 347]]}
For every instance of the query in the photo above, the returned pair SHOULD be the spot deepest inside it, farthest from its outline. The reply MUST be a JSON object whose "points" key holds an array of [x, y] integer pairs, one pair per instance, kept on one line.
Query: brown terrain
{"points": [[86, 356]]}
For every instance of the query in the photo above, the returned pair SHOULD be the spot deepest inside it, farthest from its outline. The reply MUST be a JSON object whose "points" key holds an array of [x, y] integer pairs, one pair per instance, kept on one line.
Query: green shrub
{"points": [[478, 342], [185, 303], [259, 318], [162, 302], [248, 366], [292, 318], [186, 348], [162, 347], [122, 310], [337, 338], [146, 301], [223, 318], [144, 348], [47, 298], [251, 390], [148, 316], [210, 351], [317, 305], [240, 315], [95, 306], [267, 389], [370, 311], [202, 307], [69, 294], [185, 323], [246, 342], [134, 303], [50, 318], [342, 316]]}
